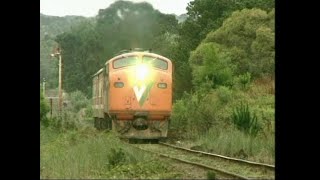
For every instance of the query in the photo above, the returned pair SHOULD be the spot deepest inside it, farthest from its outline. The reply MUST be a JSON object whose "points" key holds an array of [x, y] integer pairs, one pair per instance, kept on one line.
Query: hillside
{"points": [[181, 18], [50, 27]]}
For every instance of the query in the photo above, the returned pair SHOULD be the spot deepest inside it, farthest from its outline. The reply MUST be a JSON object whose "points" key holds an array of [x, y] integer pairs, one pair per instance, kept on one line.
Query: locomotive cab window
{"points": [[126, 61], [155, 62]]}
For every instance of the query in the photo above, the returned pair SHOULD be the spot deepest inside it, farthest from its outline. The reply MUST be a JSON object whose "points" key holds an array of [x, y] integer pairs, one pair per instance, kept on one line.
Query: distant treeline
{"points": [[218, 41]]}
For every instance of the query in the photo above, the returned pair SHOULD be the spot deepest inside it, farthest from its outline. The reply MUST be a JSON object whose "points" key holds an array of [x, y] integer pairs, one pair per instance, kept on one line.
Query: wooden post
{"points": [[51, 108], [58, 53], [60, 84]]}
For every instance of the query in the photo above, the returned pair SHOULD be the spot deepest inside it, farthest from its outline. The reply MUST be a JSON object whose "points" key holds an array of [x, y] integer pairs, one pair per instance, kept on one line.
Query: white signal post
{"points": [[44, 87], [58, 54]]}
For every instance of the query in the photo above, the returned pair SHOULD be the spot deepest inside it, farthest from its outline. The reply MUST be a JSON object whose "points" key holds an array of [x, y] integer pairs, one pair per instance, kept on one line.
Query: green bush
{"points": [[77, 110], [179, 115], [212, 62], [70, 120], [78, 101], [211, 175], [89, 111], [44, 108], [223, 77], [194, 114], [116, 157], [224, 94], [244, 80], [245, 121]]}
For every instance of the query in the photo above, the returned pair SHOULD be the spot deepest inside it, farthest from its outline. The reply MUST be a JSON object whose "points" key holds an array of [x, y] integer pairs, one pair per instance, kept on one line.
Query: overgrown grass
{"points": [[206, 118], [71, 148], [88, 154], [75, 114], [245, 121], [211, 175], [232, 142]]}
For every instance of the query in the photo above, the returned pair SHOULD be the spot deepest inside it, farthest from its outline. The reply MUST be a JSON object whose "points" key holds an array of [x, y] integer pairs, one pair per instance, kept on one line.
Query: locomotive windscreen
{"points": [[134, 60], [127, 61], [155, 62]]}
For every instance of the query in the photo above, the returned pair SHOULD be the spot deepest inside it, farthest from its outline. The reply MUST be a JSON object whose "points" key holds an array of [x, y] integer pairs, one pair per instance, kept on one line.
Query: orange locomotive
{"points": [[132, 94]]}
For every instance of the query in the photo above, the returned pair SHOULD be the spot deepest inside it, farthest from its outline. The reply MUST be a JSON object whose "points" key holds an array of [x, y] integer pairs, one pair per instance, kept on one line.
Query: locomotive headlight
{"points": [[143, 71], [162, 85]]}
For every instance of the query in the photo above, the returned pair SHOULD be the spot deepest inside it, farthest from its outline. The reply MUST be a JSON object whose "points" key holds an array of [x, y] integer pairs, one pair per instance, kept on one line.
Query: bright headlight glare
{"points": [[142, 71]]}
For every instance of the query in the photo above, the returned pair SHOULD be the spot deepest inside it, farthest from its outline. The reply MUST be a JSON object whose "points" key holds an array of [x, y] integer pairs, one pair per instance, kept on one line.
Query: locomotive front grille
{"points": [[140, 123]]}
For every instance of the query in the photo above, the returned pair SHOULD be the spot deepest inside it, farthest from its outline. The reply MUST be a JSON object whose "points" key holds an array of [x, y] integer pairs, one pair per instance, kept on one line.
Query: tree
{"points": [[122, 25], [211, 62], [249, 36], [205, 16], [80, 53], [50, 27]]}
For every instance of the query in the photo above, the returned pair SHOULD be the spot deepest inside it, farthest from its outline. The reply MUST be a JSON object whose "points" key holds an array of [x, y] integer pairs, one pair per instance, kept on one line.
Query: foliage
{"points": [[85, 154], [211, 175], [89, 111], [91, 41], [50, 26], [211, 61], [224, 94], [122, 25], [44, 108], [205, 16], [78, 100], [249, 36], [230, 141], [244, 120], [244, 80], [80, 57], [191, 116], [116, 157]]}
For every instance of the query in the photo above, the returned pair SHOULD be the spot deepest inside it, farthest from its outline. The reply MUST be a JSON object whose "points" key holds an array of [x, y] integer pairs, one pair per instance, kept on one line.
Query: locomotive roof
{"points": [[137, 53]]}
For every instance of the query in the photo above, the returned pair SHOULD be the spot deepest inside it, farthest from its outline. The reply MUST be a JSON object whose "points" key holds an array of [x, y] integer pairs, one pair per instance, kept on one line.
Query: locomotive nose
{"points": [[140, 123]]}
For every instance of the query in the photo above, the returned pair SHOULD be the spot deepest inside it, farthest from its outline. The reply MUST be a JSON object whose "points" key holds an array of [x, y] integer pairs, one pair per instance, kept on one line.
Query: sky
{"points": [[90, 8]]}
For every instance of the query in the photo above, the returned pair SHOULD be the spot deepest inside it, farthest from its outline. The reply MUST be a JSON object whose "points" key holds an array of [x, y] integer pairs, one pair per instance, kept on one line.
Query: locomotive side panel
{"points": [[106, 90], [101, 96], [94, 96], [98, 94]]}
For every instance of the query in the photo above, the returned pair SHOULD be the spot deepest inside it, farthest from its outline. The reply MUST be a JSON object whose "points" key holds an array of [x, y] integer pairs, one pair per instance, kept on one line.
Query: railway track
{"points": [[225, 167], [241, 161]]}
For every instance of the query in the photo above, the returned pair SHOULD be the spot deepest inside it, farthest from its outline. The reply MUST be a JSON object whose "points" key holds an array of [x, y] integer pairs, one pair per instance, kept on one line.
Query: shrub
{"points": [[194, 114], [211, 175], [78, 101], [245, 121], [89, 111], [210, 61], [44, 108], [116, 157], [245, 80], [224, 94]]}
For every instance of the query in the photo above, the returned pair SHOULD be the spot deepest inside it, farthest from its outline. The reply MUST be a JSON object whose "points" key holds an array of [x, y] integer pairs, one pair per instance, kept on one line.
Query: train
{"points": [[132, 95]]}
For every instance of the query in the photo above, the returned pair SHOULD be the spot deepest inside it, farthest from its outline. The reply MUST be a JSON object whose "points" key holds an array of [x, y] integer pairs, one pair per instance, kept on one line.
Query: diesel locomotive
{"points": [[132, 95]]}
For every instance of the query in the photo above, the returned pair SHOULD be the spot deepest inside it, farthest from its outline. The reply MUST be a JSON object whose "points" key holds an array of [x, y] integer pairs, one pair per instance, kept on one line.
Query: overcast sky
{"points": [[90, 8]]}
